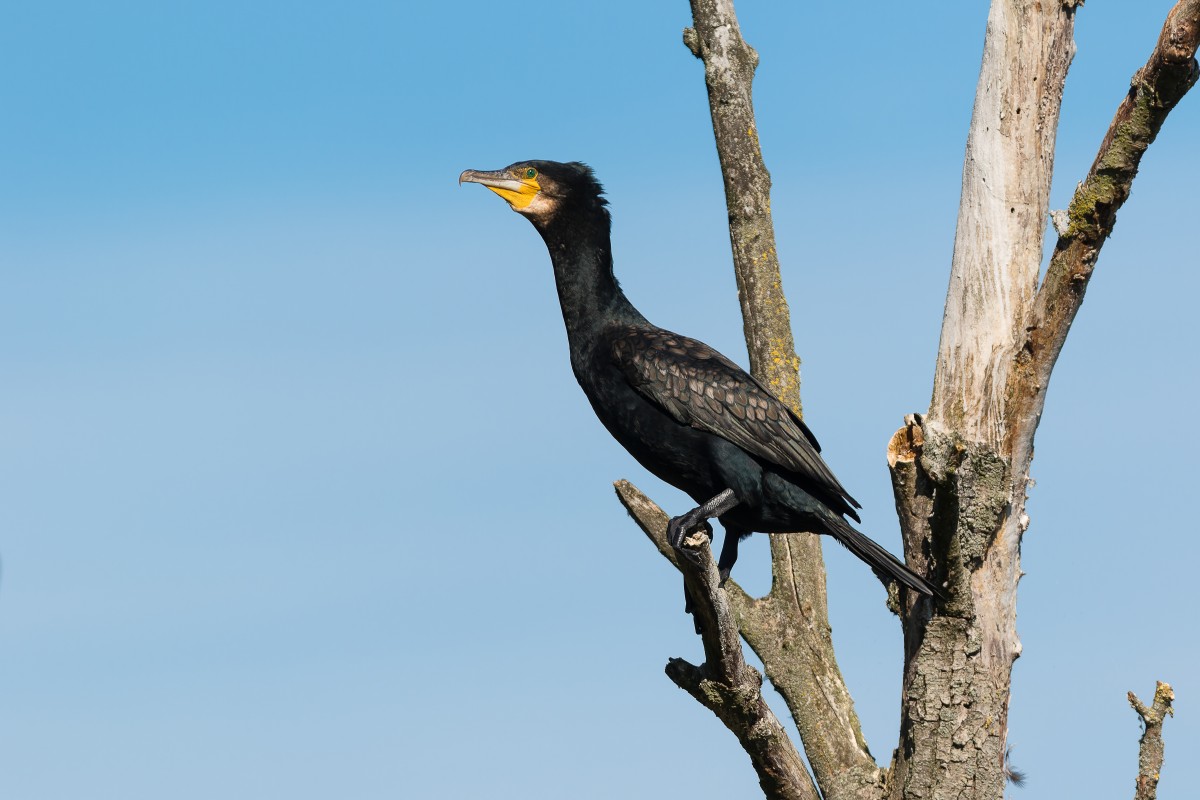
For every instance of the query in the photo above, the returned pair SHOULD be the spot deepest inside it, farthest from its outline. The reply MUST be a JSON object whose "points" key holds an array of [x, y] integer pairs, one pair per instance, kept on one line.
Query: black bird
{"points": [[684, 411]]}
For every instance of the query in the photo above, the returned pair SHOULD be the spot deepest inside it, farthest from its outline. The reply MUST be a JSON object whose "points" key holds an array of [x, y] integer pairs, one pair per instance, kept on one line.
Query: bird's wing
{"points": [[700, 387]]}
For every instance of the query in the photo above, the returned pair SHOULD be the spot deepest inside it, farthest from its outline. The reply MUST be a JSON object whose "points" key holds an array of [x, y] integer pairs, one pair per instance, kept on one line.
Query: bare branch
{"points": [[729, 65], [649, 517], [790, 633], [1150, 751], [781, 772], [1156, 89], [653, 522], [725, 684], [790, 628]]}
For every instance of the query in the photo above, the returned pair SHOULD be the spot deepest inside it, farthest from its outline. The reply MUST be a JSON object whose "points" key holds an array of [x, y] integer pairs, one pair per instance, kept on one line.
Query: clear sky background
{"points": [[298, 497]]}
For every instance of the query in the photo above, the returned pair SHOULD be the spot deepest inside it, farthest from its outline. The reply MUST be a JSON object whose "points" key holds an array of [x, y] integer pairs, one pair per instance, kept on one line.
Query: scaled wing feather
{"points": [[700, 387]]}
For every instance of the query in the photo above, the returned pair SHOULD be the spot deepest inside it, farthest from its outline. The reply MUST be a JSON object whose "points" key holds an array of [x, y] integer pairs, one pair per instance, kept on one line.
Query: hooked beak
{"points": [[518, 192]]}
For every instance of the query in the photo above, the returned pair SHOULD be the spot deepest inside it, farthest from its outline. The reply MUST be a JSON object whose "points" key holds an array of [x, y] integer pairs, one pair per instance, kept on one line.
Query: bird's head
{"points": [[543, 190]]}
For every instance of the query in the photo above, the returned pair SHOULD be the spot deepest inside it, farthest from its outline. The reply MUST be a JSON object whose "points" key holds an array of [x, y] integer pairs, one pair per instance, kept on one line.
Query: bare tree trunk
{"points": [[959, 473], [959, 494]]}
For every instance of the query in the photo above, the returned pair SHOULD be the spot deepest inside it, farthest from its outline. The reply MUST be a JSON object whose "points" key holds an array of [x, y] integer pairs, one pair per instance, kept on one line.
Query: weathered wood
{"points": [[725, 684], [1154, 91], [1150, 749], [960, 475], [782, 628], [952, 496], [959, 495], [1001, 219], [789, 630], [729, 65]]}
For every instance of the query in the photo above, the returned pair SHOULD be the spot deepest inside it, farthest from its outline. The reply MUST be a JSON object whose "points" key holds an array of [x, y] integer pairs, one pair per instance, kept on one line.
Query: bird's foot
{"points": [[683, 526]]}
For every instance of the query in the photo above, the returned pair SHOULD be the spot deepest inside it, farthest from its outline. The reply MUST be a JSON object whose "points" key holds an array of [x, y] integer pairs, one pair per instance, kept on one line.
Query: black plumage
{"points": [[684, 411]]}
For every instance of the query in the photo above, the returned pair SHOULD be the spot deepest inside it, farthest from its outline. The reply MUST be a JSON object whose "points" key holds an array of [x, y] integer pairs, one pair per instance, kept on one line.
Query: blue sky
{"points": [[298, 497]]}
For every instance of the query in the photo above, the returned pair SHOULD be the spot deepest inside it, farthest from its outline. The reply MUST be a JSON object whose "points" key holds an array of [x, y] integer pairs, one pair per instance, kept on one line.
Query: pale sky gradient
{"points": [[298, 497]]}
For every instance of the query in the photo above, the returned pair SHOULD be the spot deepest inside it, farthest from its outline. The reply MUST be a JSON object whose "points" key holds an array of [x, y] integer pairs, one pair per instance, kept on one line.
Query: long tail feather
{"points": [[885, 565]]}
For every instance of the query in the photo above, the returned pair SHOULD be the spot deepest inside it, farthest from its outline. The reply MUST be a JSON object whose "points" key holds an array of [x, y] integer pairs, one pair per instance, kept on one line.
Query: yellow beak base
{"points": [[519, 192]]}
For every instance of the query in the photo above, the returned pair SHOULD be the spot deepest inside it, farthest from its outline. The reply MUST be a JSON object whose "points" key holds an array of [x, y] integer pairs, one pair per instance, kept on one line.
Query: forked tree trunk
{"points": [[959, 473], [959, 486]]}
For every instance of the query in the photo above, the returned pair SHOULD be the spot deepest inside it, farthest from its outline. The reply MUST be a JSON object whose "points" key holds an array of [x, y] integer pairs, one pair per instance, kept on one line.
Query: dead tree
{"points": [[960, 470]]}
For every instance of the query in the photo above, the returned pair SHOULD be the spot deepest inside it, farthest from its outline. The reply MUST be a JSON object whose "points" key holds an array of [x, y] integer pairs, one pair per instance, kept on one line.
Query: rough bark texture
{"points": [[729, 65], [960, 475], [1155, 89], [787, 628], [952, 496], [724, 684], [1150, 751], [959, 496]]}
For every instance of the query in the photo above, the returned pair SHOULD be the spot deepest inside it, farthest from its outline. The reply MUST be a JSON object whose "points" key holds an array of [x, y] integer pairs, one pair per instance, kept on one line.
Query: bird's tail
{"points": [[885, 565]]}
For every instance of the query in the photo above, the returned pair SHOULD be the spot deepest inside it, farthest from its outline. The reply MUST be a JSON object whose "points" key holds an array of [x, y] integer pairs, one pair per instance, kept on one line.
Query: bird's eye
{"points": [[531, 173]]}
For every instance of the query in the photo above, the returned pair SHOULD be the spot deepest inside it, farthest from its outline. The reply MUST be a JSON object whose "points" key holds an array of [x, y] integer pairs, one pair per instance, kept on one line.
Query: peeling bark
{"points": [[1005, 199], [959, 495], [960, 475]]}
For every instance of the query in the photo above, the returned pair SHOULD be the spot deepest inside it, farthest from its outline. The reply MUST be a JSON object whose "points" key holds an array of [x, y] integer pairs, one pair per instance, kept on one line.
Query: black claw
{"points": [[679, 528], [675, 533]]}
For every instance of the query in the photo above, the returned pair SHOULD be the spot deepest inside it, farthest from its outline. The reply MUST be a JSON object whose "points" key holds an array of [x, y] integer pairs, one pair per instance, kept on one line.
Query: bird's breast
{"points": [[674, 452]]}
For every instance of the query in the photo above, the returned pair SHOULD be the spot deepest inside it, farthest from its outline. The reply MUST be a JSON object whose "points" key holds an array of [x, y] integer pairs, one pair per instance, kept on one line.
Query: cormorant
{"points": [[684, 411]]}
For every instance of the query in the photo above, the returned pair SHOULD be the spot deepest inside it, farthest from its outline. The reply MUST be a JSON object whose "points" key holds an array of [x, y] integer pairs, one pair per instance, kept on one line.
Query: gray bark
{"points": [[724, 684], [959, 473], [1150, 750]]}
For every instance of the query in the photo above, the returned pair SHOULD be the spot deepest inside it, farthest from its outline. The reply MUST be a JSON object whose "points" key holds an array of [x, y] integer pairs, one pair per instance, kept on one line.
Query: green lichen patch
{"points": [[971, 497]]}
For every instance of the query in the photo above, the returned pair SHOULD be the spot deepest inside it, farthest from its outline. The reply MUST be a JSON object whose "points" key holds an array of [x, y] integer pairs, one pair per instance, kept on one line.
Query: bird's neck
{"points": [[588, 292]]}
